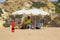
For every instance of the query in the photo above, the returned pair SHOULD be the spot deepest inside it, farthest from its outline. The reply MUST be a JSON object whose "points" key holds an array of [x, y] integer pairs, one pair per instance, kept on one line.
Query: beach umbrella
{"points": [[37, 12], [32, 11], [21, 12]]}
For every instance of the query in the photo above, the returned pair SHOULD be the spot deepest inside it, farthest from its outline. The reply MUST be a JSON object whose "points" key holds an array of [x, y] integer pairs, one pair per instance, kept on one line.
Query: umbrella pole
{"points": [[35, 22]]}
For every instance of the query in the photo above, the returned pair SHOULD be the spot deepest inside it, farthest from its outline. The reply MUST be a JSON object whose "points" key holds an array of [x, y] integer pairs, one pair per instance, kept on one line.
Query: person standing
{"points": [[13, 25]]}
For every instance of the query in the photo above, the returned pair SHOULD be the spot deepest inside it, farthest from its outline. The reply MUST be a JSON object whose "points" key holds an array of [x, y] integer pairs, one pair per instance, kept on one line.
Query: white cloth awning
{"points": [[31, 11]]}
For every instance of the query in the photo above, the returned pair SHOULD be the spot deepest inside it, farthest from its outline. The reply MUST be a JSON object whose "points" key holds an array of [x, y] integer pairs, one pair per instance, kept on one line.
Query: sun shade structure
{"points": [[31, 11], [37, 12], [19, 12]]}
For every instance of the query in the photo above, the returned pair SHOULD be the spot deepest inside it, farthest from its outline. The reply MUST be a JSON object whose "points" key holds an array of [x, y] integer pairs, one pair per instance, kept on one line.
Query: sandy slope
{"points": [[42, 34]]}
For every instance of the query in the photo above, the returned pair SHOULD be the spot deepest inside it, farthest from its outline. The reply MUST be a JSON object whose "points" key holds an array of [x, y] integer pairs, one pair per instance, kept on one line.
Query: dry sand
{"points": [[49, 33]]}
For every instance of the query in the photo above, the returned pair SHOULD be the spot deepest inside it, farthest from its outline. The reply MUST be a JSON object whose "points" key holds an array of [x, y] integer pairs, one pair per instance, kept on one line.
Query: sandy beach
{"points": [[50, 33]]}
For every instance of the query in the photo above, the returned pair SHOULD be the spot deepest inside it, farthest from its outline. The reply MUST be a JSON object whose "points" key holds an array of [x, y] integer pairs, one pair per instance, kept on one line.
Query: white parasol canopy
{"points": [[19, 12], [37, 12], [31, 11]]}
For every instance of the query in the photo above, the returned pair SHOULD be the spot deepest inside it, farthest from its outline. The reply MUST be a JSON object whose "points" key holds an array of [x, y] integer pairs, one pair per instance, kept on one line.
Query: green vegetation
{"points": [[57, 6], [38, 4], [1, 11], [57, 9]]}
